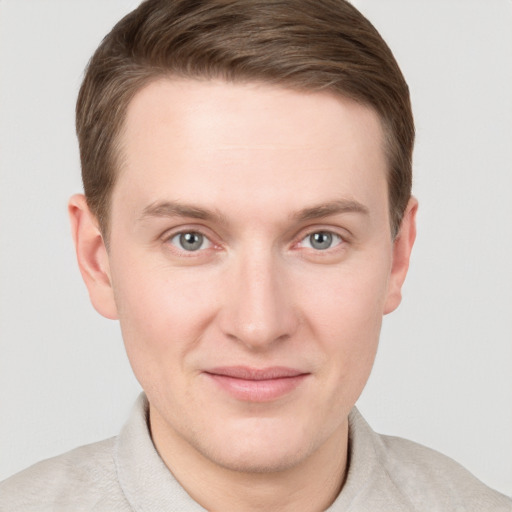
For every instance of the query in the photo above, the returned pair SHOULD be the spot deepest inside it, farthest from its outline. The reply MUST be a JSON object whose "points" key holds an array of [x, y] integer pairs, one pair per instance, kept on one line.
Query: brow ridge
{"points": [[176, 209], [330, 208]]}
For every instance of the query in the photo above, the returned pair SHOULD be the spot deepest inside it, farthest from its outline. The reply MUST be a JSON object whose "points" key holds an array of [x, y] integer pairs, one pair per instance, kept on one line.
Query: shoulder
{"points": [[426, 476], [82, 479], [391, 473]]}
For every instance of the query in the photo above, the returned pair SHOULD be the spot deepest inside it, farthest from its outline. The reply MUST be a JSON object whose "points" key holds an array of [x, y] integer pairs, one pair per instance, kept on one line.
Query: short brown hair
{"points": [[311, 45]]}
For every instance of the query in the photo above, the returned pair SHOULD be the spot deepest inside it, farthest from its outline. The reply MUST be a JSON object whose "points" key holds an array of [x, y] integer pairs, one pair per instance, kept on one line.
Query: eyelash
{"points": [[168, 238], [332, 237]]}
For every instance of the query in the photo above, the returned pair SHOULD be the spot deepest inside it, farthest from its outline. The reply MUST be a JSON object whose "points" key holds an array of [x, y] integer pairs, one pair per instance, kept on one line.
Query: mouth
{"points": [[254, 384]]}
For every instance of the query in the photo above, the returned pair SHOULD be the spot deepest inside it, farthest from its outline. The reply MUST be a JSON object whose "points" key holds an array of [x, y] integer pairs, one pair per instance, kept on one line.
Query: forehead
{"points": [[200, 108], [213, 140]]}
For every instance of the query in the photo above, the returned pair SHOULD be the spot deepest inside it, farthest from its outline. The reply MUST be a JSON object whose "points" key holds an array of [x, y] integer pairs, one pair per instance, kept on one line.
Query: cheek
{"points": [[162, 314], [351, 330], [344, 309], [349, 298]]}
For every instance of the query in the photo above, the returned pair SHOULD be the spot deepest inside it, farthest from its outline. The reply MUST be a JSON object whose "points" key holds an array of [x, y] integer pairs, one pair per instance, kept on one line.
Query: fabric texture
{"points": [[126, 474]]}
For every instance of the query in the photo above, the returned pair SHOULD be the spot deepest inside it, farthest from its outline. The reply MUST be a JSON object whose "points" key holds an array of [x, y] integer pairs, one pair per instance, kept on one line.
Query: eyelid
{"points": [[168, 235], [332, 233], [343, 234], [204, 239]]}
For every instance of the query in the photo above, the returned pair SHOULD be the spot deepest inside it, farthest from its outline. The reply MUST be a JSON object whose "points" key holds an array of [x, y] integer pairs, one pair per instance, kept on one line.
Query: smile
{"points": [[256, 385]]}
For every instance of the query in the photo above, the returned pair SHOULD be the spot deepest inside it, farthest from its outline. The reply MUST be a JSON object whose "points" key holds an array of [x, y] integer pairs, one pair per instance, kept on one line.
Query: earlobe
{"points": [[92, 256], [402, 247]]}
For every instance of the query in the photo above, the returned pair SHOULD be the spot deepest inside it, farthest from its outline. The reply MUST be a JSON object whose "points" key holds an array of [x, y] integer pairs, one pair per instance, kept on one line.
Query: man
{"points": [[248, 219]]}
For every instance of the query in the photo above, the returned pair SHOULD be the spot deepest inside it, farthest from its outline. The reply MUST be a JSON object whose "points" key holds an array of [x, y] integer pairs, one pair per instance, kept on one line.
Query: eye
{"points": [[190, 241], [321, 240]]}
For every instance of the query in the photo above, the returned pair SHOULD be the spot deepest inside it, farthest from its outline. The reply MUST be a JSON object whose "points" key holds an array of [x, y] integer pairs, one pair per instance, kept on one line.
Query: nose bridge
{"points": [[259, 307]]}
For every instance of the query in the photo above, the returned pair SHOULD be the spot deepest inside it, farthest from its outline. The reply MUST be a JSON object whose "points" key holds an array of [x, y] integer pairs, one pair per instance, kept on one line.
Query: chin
{"points": [[257, 460], [257, 448]]}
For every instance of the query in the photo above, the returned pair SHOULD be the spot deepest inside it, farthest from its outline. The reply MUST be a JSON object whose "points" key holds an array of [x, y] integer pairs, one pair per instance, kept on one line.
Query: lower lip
{"points": [[257, 390]]}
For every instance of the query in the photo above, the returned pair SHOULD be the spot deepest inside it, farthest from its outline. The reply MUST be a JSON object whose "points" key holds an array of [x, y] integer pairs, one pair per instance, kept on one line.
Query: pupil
{"points": [[321, 240], [191, 241]]}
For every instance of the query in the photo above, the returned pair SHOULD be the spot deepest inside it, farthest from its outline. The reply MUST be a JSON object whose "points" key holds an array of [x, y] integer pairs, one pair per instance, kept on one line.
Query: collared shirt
{"points": [[126, 474]]}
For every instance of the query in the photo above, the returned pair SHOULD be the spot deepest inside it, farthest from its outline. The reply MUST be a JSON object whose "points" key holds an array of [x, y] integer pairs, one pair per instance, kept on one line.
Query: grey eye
{"points": [[321, 240], [191, 241]]}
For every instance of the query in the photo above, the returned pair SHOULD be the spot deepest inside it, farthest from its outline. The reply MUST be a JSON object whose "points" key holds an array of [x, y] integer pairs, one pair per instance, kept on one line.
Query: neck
{"points": [[310, 485]]}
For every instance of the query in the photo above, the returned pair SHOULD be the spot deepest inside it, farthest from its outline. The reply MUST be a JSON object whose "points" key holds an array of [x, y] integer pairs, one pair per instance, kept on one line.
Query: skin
{"points": [[256, 170]]}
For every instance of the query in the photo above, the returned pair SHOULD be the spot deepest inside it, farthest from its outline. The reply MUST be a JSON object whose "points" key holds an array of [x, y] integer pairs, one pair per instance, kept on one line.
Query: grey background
{"points": [[443, 373]]}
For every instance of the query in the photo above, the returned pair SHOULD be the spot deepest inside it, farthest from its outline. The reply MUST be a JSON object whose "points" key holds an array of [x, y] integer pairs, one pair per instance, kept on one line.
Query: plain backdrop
{"points": [[443, 375]]}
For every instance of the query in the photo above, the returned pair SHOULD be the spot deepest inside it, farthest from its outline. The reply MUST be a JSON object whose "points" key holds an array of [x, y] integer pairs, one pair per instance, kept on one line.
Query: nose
{"points": [[258, 309]]}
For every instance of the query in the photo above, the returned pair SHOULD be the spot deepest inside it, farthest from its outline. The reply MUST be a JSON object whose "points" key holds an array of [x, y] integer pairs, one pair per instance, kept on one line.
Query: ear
{"points": [[402, 247], [92, 256]]}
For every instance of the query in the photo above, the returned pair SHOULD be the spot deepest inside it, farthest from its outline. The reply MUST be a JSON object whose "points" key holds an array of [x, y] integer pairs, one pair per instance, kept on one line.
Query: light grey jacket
{"points": [[125, 473]]}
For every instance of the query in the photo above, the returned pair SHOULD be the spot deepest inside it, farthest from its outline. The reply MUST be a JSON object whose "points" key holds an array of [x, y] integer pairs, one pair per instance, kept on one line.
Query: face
{"points": [[250, 265]]}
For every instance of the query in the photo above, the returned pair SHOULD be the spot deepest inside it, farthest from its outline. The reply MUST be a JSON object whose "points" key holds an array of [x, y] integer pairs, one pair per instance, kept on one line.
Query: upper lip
{"points": [[248, 373]]}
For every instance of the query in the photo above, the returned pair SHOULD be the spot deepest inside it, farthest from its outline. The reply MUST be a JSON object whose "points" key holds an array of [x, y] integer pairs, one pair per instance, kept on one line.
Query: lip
{"points": [[256, 384]]}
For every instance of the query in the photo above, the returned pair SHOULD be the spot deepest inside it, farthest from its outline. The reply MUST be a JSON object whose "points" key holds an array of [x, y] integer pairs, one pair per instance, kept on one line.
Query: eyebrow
{"points": [[331, 208], [175, 209]]}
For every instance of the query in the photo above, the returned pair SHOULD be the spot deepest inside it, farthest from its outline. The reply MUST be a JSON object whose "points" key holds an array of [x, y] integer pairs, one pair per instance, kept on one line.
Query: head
{"points": [[303, 45], [247, 218]]}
